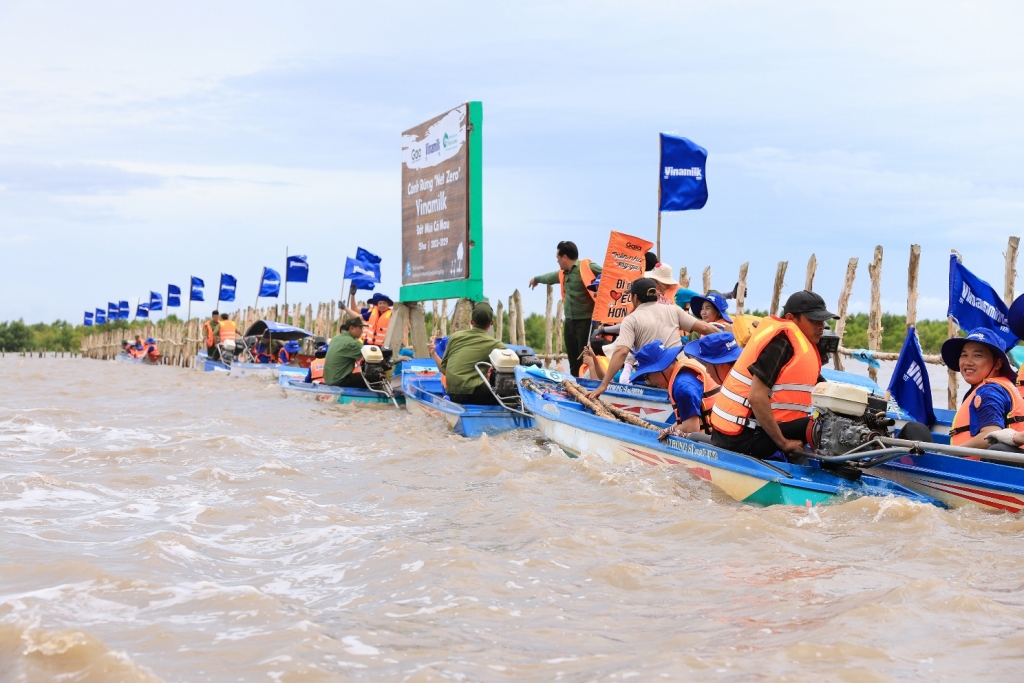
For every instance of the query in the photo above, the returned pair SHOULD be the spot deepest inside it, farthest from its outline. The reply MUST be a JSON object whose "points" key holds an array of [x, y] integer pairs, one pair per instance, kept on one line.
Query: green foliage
{"points": [[16, 336], [894, 330]]}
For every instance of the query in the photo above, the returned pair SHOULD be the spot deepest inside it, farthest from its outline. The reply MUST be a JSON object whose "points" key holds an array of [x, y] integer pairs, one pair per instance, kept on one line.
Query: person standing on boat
{"points": [[649, 322], [376, 328], [343, 354], [765, 402], [993, 404], [465, 349], [661, 273], [211, 332], [574, 275]]}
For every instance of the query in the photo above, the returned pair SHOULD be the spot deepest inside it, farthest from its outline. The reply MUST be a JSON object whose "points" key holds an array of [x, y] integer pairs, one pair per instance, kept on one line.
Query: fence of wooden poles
{"points": [[179, 342]]}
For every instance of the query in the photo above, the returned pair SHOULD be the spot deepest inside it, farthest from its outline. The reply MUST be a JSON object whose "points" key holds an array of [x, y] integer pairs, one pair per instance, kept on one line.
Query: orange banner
{"points": [[623, 263]]}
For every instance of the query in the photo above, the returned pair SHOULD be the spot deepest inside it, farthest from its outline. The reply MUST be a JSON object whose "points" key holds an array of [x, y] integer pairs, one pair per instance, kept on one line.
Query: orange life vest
{"points": [[1020, 379], [960, 432], [376, 327], [316, 371], [602, 361], [669, 297], [208, 331], [227, 330], [586, 274], [283, 357], [711, 390], [791, 394]]}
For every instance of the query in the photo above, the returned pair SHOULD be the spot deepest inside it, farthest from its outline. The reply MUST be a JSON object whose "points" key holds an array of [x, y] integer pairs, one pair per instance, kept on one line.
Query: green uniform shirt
{"points": [[578, 304], [465, 349], [342, 355]]}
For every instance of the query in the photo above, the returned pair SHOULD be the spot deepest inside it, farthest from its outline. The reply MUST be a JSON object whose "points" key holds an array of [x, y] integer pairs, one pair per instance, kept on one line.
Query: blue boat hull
{"points": [[424, 395], [329, 394]]}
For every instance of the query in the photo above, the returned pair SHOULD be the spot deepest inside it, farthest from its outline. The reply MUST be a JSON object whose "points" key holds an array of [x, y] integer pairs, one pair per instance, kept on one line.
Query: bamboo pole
{"points": [[912, 272], [706, 279], [580, 395], [741, 288], [684, 278], [1011, 269], [512, 320], [812, 268], [547, 321], [434, 321], [953, 330], [444, 318], [499, 320], [875, 313], [844, 300], [520, 322], [780, 277]]}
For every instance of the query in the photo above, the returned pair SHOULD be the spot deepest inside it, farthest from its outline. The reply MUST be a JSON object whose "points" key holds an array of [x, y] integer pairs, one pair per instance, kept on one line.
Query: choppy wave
{"points": [[160, 524]]}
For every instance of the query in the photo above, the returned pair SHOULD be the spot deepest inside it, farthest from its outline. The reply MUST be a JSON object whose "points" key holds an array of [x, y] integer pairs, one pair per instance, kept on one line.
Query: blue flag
{"points": [[173, 296], [298, 269], [196, 293], [88, 319], [684, 185], [142, 310], [101, 316], [270, 282], [973, 303], [368, 257], [112, 311], [124, 310], [362, 273], [910, 386], [156, 302], [227, 287]]}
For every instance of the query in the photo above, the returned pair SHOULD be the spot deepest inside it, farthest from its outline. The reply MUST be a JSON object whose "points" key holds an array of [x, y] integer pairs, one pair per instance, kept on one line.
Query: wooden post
{"points": [[444, 317], [875, 313], [706, 277], [499, 320], [462, 315], [520, 323], [684, 278], [1011, 269], [547, 321], [953, 383], [812, 268], [912, 270], [741, 288], [844, 300], [433, 318], [512, 320], [780, 277], [658, 240]]}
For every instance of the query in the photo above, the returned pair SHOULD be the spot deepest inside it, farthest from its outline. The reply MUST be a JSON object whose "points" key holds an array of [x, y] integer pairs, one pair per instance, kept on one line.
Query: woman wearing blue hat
{"points": [[693, 382], [712, 309], [288, 351], [993, 403]]}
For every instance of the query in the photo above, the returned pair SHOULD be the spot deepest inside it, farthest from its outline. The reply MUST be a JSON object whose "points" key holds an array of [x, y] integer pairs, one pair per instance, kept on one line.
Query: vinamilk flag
{"points": [[910, 386], [974, 303]]}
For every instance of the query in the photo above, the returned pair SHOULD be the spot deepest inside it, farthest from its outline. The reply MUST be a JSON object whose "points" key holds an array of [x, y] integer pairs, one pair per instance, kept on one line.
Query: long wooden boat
{"points": [[203, 363], [424, 395], [329, 394], [742, 477], [125, 358]]}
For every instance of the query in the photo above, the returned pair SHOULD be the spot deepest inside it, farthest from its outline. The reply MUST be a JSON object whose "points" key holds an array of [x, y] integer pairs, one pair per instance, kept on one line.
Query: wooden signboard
{"points": [[442, 250]]}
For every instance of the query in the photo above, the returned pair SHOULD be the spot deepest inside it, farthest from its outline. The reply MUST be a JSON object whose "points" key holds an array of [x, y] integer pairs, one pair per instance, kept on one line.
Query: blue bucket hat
{"points": [[151, 341], [654, 357], [716, 300], [378, 297], [684, 296], [292, 346], [720, 347], [951, 349]]}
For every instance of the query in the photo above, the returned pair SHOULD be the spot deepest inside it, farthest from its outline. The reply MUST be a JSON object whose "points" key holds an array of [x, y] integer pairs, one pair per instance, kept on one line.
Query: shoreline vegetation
{"points": [[60, 335]]}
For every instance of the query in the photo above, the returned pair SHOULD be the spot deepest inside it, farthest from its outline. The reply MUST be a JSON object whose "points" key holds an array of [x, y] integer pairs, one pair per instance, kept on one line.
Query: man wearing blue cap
{"points": [[693, 382], [993, 404], [288, 351]]}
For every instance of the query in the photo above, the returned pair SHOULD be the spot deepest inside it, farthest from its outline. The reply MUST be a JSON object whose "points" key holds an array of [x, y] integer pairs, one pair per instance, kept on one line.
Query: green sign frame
{"points": [[471, 287]]}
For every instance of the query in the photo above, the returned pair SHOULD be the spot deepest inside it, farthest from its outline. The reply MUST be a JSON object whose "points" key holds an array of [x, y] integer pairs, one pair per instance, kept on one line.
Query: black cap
{"points": [[483, 314], [644, 289], [809, 304]]}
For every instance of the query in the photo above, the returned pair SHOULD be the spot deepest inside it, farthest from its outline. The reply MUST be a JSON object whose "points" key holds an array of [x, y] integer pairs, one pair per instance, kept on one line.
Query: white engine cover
{"points": [[503, 360], [372, 354], [842, 399]]}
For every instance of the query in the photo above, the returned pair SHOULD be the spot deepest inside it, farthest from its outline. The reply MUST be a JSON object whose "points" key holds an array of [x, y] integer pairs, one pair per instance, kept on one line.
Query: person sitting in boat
{"points": [[596, 360], [125, 348], [649, 321], [137, 349], [712, 309], [150, 351], [993, 404], [211, 332], [666, 284], [341, 364], [463, 351], [261, 350], [765, 402], [315, 374], [288, 351]]}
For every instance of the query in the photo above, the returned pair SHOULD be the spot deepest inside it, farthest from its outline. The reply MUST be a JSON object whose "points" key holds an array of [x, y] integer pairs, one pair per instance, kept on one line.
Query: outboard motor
{"points": [[527, 357], [502, 378], [227, 351], [377, 362], [845, 417]]}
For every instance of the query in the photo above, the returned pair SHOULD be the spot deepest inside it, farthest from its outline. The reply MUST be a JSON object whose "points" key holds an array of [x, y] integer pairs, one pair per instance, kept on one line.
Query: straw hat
{"points": [[661, 272]]}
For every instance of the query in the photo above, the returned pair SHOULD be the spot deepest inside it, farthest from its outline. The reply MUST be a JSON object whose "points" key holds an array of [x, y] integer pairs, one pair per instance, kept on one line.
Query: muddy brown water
{"points": [[161, 524]]}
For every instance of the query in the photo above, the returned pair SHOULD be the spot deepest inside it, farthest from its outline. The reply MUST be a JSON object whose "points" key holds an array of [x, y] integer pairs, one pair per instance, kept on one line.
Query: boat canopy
{"points": [[276, 330]]}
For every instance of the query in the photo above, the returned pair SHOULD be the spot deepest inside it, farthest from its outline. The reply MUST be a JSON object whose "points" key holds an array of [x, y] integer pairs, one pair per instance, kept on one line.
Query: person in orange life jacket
{"points": [[288, 351], [150, 351], [211, 332], [261, 350], [573, 275], [595, 358], [137, 350], [649, 321], [315, 374], [765, 402], [692, 383], [661, 273], [379, 317], [993, 404]]}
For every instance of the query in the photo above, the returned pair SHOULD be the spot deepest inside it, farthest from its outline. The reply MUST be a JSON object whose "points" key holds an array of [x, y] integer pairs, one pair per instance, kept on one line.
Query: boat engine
{"points": [[502, 378], [527, 357], [227, 351], [377, 361], [828, 345], [845, 416]]}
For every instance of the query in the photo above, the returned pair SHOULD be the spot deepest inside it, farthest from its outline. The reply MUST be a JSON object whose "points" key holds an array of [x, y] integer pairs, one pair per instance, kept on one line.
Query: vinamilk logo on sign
{"points": [[441, 142]]}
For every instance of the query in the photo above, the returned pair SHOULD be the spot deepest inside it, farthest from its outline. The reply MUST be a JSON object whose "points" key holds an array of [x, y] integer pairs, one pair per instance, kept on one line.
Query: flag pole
{"points": [[658, 240], [189, 317], [286, 280], [218, 290], [260, 286]]}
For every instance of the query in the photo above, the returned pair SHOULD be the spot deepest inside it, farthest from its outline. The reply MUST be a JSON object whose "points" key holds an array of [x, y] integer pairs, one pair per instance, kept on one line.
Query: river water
{"points": [[160, 524]]}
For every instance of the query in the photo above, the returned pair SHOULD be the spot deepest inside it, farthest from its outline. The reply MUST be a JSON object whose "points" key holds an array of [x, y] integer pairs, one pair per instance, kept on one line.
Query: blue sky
{"points": [[143, 144]]}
